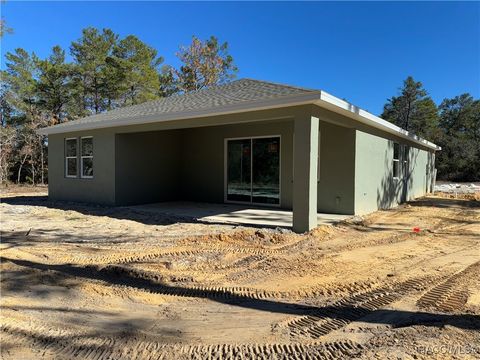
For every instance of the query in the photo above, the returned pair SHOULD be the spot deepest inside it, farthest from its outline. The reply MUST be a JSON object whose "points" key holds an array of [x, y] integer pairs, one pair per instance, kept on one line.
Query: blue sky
{"points": [[358, 51]]}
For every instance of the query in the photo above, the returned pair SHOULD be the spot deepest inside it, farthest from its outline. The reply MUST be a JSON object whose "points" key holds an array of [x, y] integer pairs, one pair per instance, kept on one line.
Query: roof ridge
{"points": [[281, 84]]}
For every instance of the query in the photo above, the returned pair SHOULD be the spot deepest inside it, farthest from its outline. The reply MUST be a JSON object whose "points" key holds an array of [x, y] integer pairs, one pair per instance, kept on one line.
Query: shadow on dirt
{"points": [[445, 203], [122, 278], [54, 309], [91, 344], [122, 213], [126, 212], [13, 239]]}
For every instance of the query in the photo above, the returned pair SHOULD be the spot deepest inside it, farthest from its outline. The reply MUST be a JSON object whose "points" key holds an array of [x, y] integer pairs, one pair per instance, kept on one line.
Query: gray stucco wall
{"points": [[203, 151], [337, 169], [189, 164], [185, 161], [375, 186], [371, 166], [147, 167], [100, 189]]}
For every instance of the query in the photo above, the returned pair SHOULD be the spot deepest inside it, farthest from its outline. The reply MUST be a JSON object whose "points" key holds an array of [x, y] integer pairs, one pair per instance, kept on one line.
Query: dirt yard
{"points": [[102, 283]]}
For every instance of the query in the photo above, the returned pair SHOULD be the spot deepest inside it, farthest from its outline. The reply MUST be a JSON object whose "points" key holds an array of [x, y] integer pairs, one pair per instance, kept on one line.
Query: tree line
{"points": [[106, 72], [454, 125]]}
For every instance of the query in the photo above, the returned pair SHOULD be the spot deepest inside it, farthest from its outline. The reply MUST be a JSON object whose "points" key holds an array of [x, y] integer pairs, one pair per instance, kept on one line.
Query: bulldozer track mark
{"points": [[405, 236], [175, 253], [450, 295], [247, 250], [325, 320], [61, 344], [246, 261], [126, 278], [332, 350], [44, 342]]}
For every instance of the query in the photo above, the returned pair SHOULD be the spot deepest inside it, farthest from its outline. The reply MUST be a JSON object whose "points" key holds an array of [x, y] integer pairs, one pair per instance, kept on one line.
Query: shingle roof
{"points": [[237, 96], [233, 93]]}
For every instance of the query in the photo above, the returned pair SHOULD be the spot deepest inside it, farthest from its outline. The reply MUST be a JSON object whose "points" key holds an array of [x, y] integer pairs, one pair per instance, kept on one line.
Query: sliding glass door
{"points": [[253, 170], [239, 165]]}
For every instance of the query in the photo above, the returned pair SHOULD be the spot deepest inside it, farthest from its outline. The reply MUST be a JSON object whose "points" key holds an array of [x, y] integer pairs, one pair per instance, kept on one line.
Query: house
{"points": [[249, 142]]}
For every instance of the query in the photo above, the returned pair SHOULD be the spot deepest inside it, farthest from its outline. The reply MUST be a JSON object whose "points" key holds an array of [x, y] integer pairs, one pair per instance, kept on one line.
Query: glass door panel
{"points": [[266, 171], [239, 178]]}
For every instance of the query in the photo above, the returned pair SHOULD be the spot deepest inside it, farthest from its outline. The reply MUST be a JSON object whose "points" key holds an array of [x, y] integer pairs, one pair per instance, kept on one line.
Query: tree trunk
{"points": [[20, 169], [97, 105], [33, 171], [42, 167]]}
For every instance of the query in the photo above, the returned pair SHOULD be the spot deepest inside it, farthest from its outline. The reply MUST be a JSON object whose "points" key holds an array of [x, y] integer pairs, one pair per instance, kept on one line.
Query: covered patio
{"points": [[232, 214], [240, 146]]}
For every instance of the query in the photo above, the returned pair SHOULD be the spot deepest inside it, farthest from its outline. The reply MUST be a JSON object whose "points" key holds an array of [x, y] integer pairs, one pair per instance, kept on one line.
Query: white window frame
{"points": [[225, 171], [71, 157], [405, 155], [85, 157], [396, 160]]}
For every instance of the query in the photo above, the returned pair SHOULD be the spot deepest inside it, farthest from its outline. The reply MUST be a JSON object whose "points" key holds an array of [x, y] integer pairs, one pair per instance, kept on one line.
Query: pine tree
{"points": [[20, 91], [94, 84], [135, 67], [54, 87], [460, 139], [413, 110]]}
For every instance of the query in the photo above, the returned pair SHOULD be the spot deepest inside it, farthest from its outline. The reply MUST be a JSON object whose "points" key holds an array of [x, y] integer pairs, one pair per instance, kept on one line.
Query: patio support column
{"points": [[305, 155]]}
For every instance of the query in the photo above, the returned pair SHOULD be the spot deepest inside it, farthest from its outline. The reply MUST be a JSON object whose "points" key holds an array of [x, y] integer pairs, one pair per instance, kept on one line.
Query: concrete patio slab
{"points": [[233, 214]]}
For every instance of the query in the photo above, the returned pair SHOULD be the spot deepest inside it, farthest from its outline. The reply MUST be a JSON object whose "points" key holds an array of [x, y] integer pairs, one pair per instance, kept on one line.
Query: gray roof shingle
{"points": [[233, 93], [239, 95]]}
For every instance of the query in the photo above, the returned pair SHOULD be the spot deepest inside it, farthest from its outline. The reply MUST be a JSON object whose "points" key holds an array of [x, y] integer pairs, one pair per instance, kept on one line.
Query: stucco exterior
{"points": [[100, 189], [185, 160], [336, 185], [147, 167], [375, 186]]}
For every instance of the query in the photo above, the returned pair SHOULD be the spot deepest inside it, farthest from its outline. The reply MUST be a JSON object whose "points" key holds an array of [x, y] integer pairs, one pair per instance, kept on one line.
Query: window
{"points": [[87, 157], [253, 170], [396, 160], [71, 157], [405, 154]]}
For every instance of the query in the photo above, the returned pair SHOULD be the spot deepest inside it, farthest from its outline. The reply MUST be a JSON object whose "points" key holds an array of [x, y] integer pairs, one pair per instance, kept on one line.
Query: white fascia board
{"points": [[320, 98], [285, 101], [343, 107]]}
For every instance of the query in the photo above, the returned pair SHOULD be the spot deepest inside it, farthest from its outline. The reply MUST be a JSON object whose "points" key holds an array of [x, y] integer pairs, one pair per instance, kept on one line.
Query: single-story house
{"points": [[249, 142]]}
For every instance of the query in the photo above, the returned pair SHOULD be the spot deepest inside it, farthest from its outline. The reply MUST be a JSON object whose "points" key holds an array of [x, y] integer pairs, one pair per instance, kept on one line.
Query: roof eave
{"points": [[319, 98], [343, 107], [286, 101]]}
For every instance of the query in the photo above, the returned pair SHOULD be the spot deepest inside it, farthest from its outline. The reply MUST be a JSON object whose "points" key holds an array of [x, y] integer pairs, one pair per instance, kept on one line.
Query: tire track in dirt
{"points": [[253, 293], [451, 294], [44, 341], [330, 318], [215, 248], [182, 250], [330, 350], [407, 235], [137, 258], [62, 344], [126, 278], [243, 262], [222, 242]]}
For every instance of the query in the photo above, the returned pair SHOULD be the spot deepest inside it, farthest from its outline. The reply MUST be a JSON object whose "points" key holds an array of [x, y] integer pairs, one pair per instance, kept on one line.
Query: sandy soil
{"points": [[102, 283]]}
